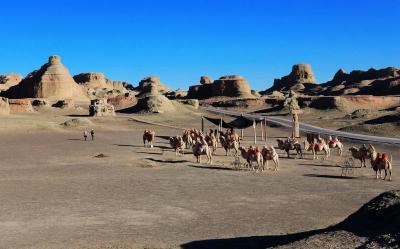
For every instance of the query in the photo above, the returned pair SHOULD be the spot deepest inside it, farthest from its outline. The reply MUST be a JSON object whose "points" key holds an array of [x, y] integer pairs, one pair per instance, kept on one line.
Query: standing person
{"points": [[92, 134], [85, 134]]}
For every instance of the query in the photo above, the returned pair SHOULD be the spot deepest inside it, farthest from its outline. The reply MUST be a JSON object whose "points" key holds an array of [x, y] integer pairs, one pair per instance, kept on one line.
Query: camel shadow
{"points": [[211, 167], [74, 139], [253, 242], [167, 161], [78, 115], [129, 145], [319, 165], [330, 176], [149, 153]]}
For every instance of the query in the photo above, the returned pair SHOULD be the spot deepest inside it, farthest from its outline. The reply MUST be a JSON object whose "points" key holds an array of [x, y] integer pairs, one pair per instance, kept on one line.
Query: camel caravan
{"points": [[256, 159]]}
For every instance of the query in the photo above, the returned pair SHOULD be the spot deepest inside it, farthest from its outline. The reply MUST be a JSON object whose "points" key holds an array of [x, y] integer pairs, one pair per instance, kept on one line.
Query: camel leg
{"points": [[288, 153], [390, 175], [277, 164], [267, 165]]}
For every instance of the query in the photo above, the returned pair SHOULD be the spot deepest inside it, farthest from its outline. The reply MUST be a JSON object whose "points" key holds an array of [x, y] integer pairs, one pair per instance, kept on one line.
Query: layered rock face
{"points": [[20, 105], [91, 80], [300, 76], [151, 82], [229, 86], [97, 80], [9, 80], [52, 81], [372, 82]]}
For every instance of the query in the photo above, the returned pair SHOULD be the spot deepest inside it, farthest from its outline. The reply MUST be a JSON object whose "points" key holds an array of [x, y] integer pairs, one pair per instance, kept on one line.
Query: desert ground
{"points": [[55, 192]]}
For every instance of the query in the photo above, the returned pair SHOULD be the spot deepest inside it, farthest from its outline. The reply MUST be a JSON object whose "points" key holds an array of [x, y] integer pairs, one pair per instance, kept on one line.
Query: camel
{"points": [[199, 148], [336, 143], [315, 147], [360, 154], [270, 154], [229, 144], [252, 155], [187, 138], [212, 142], [177, 144], [380, 162], [289, 145], [148, 136]]}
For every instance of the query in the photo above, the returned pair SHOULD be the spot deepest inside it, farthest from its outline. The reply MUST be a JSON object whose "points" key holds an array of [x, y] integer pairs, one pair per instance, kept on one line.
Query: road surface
{"points": [[310, 128]]}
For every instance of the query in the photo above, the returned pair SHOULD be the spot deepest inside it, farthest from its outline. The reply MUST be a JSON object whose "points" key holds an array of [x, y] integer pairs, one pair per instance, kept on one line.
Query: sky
{"points": [[180, 40]]}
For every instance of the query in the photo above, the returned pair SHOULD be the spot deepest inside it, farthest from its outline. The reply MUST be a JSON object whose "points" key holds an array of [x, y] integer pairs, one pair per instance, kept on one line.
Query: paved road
{"points": [[311, 128]]}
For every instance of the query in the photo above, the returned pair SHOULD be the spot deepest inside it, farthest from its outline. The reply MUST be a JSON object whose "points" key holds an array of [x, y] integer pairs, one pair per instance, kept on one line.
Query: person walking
{"points": [[92, 134], [85, 134]]}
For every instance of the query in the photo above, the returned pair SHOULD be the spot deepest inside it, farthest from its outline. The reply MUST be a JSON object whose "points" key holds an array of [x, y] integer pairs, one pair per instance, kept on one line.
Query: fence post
{"points": [[202, 123], [255, 133]]}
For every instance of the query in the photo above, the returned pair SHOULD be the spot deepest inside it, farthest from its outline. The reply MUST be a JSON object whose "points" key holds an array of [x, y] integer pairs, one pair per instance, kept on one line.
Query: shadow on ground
{"points": [[166, 161], [330, 176], [254, 242], [319, 165], [211, 167]]}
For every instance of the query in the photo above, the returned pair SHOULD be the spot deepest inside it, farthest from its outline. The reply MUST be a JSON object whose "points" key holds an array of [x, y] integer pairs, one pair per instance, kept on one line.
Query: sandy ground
{"points": [[54, 192]]}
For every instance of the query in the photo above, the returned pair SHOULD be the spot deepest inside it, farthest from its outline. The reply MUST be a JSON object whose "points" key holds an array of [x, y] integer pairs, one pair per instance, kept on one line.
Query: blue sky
{"points": [[180, 40]]}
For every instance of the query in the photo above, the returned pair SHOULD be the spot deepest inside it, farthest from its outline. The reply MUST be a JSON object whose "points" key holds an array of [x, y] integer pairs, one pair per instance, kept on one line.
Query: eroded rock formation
{"points": [[151, 82], [229, 86], [9, 80], [299, 79], [20, 105], [52, 81]]}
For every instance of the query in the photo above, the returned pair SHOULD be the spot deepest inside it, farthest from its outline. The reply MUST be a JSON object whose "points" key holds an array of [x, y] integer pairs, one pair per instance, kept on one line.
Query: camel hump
{"points": [[385, 156]]}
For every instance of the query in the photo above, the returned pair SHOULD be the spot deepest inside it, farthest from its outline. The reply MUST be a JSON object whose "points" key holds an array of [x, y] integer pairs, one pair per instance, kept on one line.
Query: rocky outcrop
{"points": [[300, 79], [206, 80], [372, 82], [96, 80], [51, 81], [4, 106], [152, 101], [229, 86], [147, 83], [92, 80], [9, 80], [20, 105], [122, 101]]}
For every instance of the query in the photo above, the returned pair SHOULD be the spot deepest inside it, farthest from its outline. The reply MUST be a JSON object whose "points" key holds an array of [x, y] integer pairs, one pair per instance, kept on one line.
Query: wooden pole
{"points": [[265, 127], [262, 131], [202, 123], [241, 130], [254, 130]]}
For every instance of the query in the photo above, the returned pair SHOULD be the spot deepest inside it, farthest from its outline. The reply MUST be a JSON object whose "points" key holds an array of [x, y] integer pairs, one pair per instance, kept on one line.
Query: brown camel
{"points": [[252, 155], [148, 136], [199, 148], [360, 154], [289, 145], [317, 146], [268, 155], [177, 144], [380, 162]]}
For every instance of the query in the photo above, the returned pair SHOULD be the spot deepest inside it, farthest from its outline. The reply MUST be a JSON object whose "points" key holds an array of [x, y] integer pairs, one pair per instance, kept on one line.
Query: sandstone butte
{"points": [[51, 81]]}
